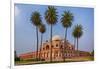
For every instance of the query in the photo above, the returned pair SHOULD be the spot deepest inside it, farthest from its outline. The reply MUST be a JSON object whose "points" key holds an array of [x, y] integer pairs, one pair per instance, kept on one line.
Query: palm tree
{"points": [[66, 20], [42, 30], [78, 32], [51, 19], [36, 21]]}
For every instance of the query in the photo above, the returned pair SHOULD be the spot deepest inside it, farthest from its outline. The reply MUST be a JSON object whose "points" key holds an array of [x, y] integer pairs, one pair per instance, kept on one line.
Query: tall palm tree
{"points": [[36, 21], [51, 19], [78, 32], [66, 20], [42, 30]]}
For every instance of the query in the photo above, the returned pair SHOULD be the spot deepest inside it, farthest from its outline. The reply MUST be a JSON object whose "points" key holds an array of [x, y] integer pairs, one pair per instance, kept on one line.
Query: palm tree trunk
{"points": [[41, 46], [64, 44], [37, 42], [77, 46], [74, 43], [51, 44]]}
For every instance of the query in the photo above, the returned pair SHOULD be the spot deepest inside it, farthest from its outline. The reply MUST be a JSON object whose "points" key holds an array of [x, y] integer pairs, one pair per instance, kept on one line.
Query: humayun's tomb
{"points": [[57, 50]]}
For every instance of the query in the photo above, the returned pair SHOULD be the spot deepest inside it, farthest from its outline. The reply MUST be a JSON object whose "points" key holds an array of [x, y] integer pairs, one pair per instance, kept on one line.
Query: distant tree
{"points": [[16, 58], [15, 54], [92, 53]]}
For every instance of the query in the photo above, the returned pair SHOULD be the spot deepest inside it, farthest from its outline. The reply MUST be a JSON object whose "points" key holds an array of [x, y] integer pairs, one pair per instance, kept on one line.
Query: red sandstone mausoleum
{"points": [[57, 51]]}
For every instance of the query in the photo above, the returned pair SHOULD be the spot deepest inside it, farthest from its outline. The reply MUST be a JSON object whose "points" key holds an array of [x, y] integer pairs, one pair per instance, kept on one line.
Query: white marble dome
{"points": [[56, 37]]}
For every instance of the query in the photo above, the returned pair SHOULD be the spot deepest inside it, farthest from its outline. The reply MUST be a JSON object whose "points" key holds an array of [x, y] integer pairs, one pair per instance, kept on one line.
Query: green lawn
{"points": [[78, 59]]}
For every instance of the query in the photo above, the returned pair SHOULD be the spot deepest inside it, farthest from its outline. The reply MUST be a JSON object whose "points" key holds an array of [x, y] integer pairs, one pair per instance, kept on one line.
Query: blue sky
{"points": [[25, 36]]}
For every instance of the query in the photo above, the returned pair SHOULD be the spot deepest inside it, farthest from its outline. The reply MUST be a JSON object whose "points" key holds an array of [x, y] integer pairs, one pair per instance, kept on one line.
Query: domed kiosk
{"points": [[56, 38]]}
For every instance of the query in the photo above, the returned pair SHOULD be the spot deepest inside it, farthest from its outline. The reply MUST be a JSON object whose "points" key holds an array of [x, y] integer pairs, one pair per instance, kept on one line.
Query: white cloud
{"points": [[17, 11]]}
